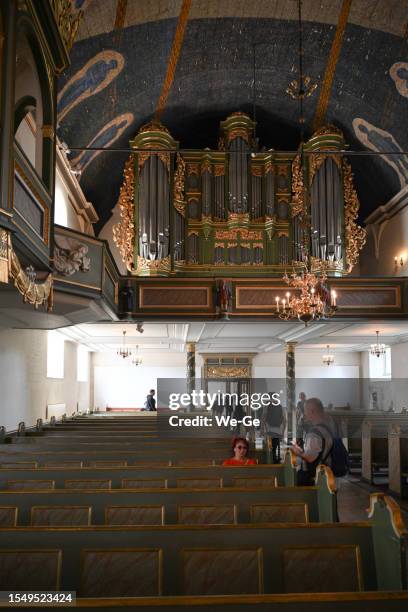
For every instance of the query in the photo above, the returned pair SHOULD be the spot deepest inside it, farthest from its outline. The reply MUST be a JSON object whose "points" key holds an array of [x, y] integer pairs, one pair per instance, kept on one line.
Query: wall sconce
{"points": [[399, 261]]}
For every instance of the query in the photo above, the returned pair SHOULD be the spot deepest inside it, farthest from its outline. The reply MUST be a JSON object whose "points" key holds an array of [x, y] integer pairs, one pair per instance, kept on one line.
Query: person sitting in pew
{"points": [[318, 442], [240, 448]]}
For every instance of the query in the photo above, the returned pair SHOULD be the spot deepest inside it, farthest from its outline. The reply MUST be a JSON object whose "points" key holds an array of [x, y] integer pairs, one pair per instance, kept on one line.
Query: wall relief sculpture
{"points": [[70, 256]]}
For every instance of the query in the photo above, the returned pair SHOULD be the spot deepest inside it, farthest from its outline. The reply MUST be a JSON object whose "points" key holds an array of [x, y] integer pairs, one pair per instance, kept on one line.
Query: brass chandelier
{"points": [[124, 352], [311, 299], [137, 361], [378, 348], [328, 358]]}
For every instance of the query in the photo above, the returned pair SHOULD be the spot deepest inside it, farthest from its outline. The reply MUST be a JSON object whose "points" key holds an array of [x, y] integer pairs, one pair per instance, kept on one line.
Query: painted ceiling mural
{"points": [[117, 71], [399, 74]]}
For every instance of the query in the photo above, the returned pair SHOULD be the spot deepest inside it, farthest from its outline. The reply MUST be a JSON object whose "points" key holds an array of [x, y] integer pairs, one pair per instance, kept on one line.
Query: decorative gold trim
{"points": [[323, 102], [219, 170], [193, 169], [238, 233], [120, 16], [32, 292], [355, 236], [173, 58], [178, 194], [154, 126], [153, 267], [48, 131], [316, 161], [298, 201], [206, 165], [4, 255], [123, 232], [67, 21], [228, 372], [257, 170]]}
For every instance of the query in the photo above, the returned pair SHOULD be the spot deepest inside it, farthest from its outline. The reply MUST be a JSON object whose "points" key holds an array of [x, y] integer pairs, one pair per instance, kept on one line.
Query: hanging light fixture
{"points": [[311, 299], [328, 358], [377, 349], [137, 361], [123, 351]]}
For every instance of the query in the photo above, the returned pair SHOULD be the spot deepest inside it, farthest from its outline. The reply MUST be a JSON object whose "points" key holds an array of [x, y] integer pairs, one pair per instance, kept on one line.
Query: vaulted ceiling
{"points": [[121, 58]]}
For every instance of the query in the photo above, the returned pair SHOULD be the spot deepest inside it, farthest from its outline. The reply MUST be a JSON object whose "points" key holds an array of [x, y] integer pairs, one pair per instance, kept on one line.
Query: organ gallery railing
{"points": [[237, 209]]}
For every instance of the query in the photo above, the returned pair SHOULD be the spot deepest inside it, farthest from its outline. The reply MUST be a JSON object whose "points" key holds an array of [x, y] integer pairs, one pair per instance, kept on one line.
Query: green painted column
{"points": [[190, 373], [291, 388]]}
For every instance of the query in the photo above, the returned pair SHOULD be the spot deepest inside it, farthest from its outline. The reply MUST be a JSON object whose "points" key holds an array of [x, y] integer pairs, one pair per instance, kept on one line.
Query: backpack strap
{"points": [[322, 456]]}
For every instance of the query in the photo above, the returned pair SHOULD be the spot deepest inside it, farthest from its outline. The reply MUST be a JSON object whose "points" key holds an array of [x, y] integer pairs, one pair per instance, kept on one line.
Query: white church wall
{"points": [[311, 374], [25, 390], [387, 239], [119, 384]]}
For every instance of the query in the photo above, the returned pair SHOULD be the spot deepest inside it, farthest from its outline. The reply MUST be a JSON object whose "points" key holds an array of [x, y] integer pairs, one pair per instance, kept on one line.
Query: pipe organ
{"points": [[237, 210]]}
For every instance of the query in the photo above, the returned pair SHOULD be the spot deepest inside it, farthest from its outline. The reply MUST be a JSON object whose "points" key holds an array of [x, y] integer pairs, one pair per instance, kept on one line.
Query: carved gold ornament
{"points": [[234, 234], [154, 126], [179, 175], [152, 267], [298, 201], [4, 256], [123, 232], [206, 166], [192, 169], [227, 372], [257, 170], [67, 21], [316, 162], [219, 170], [32, 292], [355, 236]]}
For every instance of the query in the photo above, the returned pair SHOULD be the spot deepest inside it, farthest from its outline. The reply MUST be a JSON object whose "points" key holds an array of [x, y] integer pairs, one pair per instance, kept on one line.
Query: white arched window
{"points": [[28, 104]]}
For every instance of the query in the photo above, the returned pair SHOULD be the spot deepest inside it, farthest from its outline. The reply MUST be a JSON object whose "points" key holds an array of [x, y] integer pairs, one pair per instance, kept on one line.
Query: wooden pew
{"points": [[320, 500], [398, 460], [374, 450], [284, 473], [88, 455], [225, 559]]}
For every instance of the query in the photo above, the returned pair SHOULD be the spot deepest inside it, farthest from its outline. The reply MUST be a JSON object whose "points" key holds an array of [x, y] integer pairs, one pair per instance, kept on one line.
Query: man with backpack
{"points": [[321, 445]]}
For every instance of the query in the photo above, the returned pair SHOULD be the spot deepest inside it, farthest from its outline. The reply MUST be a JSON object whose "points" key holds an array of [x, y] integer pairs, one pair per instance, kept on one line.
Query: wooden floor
{"points": [[353, 499]]}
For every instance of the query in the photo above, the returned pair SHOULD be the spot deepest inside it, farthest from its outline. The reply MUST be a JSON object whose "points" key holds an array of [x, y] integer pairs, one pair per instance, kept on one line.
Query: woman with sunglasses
{"points": [[240, 449]]}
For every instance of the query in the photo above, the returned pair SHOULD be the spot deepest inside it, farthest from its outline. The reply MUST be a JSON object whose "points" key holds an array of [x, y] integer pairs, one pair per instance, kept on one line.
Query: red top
{"points": [[234, 461]]}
